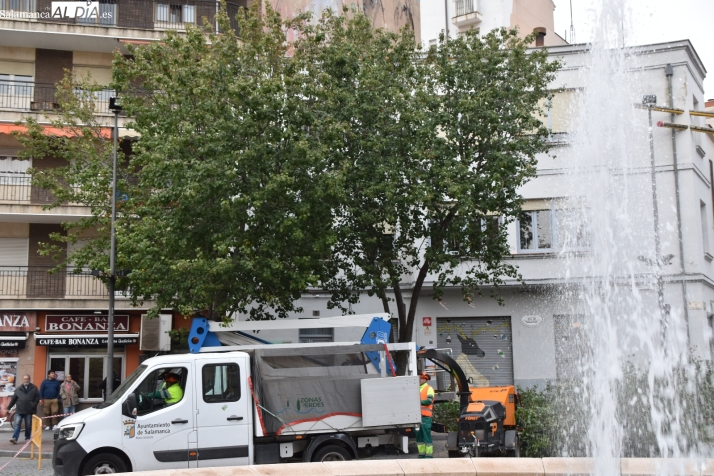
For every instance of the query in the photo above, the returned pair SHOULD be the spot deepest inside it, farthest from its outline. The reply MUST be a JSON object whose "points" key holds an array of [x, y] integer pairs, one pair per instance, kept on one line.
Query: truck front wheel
{"points": [[105, 463], [331, 453]]}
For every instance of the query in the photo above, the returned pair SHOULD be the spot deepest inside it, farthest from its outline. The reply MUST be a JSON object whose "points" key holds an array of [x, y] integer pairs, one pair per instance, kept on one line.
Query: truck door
{"points": [[223, 416], [158, 438]]}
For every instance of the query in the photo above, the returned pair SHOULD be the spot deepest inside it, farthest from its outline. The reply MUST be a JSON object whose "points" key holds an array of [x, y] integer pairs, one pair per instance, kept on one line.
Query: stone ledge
{"points": [[463, 467]]}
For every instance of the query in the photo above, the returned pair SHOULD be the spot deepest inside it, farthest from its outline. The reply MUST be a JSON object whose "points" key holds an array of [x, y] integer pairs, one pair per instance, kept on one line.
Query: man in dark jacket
{"points": [[25, 398]]}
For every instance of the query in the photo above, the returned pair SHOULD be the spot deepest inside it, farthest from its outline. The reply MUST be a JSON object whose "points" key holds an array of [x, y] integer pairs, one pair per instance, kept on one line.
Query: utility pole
{"points": [[115, 106]]}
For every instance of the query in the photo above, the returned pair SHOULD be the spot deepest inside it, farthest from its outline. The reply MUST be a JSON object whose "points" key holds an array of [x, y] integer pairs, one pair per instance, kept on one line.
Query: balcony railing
{"points": [[464, 7], [140, 14], [32, 282], [16, 188], [28, 96]]}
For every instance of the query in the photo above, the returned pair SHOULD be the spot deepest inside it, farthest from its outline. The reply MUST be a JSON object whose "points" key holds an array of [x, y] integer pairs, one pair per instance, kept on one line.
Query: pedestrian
{"points": [[69, 393], [115, 384], [424, 444], [26, 397], [49, 398]]}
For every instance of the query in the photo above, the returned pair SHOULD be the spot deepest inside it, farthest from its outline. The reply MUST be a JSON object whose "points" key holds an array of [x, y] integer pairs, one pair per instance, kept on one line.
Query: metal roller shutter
{"points": [[482, 346]]}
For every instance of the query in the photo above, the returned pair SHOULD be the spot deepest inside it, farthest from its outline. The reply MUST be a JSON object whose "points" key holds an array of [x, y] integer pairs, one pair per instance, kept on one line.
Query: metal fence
{"points": [[19, 188], [37, 282], [140, 14], [29, 96], [464, 7]]}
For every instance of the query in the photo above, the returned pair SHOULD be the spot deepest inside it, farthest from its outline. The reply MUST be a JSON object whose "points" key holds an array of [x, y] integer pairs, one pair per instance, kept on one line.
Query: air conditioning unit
{"points": [[154, 335]]}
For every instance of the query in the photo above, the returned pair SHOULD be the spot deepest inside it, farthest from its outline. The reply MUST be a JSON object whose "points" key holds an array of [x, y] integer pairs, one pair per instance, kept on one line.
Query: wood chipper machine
{"points": [[487, 415]]}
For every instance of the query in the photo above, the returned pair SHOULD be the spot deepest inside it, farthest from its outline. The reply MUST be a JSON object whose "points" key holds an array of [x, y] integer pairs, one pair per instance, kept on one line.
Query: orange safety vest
{"points": [[425, 392]]}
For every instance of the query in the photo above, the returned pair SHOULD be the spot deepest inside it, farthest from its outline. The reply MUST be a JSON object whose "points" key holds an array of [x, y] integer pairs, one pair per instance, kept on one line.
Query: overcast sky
{"points": [[650, 21]]}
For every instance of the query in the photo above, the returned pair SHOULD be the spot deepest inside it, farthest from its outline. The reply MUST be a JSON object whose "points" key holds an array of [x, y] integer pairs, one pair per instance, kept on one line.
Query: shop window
{"points": [[221, 383], [153, 392], [87, 370]]}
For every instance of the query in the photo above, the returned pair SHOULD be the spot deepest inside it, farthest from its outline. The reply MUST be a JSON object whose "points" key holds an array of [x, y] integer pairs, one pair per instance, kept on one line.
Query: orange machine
{"points": [[506, 396]]}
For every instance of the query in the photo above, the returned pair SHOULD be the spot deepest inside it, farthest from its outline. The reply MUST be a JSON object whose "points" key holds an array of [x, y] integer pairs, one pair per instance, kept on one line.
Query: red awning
{"points": [[49, 130]]}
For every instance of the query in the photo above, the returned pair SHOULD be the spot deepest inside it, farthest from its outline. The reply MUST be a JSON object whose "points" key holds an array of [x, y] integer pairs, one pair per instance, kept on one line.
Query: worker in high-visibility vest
{"points": [[171, 391], [424, 444]]}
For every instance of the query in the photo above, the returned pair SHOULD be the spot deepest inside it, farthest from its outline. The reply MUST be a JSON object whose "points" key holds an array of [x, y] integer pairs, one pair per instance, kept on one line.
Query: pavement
{"points": [[8, 449]]}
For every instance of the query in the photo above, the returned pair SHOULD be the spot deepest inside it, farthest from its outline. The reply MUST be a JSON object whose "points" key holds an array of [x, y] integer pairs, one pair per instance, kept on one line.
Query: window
{"points": [[16, 91], [697, 136], [18, 5], [553, 229], [536, 230], [175, 14], [13, 165], [316, 335], [147, 391], [705, 228], [14, 251], [88, 370], [480, 229], [221, 383]]}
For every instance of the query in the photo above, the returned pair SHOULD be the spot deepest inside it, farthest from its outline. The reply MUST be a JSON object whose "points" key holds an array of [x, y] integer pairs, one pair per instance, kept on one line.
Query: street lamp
{"points": [[115, 107], [649, 101]]}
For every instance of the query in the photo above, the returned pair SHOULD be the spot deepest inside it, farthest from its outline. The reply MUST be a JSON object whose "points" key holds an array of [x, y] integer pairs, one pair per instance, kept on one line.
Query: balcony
{"points": [[27, 96], [35, 282], [466, 13], [18, 188], [135, 14]]}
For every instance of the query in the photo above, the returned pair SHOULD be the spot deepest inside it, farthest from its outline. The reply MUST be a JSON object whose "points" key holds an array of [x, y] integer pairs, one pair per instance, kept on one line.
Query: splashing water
{"points": [[632, 380]]}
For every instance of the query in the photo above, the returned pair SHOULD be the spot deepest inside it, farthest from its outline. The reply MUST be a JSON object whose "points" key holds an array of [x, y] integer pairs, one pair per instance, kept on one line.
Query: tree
{"points": [[429, 153], [220, 208], [347, 160]]}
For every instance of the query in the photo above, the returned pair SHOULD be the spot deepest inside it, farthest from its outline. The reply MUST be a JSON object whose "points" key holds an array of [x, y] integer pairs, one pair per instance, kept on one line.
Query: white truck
{"points": [[249, 404]]}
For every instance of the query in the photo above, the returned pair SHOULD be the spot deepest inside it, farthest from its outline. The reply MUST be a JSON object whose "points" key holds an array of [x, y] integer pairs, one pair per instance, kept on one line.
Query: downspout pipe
{"points": [[669, 72]]}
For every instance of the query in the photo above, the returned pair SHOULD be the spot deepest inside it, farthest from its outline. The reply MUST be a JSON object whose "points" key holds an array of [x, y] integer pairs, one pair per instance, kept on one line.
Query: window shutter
{"points": [[14, 251]]}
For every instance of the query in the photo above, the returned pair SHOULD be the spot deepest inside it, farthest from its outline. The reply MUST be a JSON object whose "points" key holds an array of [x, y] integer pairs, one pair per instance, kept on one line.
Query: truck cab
{"points": [[145, 425]]}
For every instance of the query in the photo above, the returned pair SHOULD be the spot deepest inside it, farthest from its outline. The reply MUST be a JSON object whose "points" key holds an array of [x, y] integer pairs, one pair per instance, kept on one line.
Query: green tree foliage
{"points": [[429, 152], [348, 160], [223, 211]]}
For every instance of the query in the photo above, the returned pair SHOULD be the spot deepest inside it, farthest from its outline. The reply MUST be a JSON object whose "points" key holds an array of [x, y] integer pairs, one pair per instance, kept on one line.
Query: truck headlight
{"points": [[70, 432]]}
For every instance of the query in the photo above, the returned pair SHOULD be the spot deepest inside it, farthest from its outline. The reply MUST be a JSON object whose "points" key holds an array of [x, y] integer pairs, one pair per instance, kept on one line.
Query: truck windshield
{"points": [[125, 385]]}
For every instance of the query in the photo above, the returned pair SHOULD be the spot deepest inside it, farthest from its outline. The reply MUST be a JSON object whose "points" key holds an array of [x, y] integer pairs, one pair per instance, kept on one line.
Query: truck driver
{"points": [[171, 391]]}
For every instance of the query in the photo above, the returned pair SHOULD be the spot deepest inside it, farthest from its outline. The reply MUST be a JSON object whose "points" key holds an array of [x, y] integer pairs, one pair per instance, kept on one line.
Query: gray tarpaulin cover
{"points": [[306, 384]]}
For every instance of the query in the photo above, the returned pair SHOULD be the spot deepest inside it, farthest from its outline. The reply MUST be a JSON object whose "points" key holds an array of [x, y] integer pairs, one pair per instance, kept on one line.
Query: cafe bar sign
{"points": [[84, 340], [17, 321], [94, 324]]}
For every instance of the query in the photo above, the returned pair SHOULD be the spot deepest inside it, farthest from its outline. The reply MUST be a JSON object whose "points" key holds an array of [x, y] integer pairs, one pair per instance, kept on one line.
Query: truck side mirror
{"points": [[128, 408]]}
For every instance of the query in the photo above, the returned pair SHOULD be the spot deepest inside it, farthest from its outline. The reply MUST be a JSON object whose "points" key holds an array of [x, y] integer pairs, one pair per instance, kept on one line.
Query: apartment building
{"points": [[523, 340], [59, 321], [454, 17]]}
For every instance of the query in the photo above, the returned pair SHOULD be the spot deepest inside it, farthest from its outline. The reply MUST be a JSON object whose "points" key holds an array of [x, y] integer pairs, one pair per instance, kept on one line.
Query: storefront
{"points": [[15, 355], [76, 344]]}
